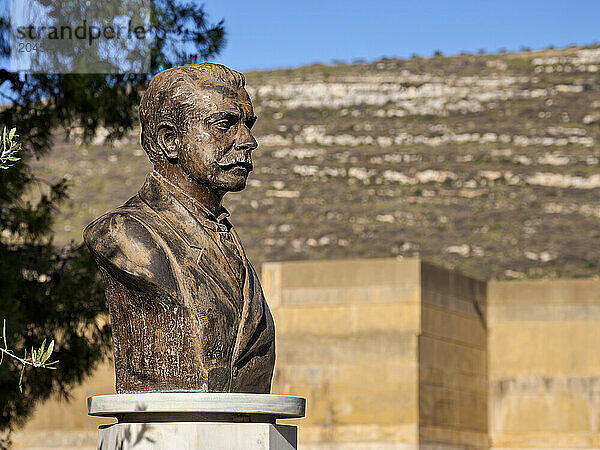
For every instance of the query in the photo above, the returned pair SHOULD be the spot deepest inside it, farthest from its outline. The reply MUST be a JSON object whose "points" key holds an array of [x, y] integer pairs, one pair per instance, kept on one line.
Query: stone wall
{"points": [[390, 353], [544, 339], [347, 341], [453, 395]]}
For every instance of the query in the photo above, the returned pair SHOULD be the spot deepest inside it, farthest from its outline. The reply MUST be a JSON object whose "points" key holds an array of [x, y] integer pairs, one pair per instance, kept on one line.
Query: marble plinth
{"points": [[197, 420]]}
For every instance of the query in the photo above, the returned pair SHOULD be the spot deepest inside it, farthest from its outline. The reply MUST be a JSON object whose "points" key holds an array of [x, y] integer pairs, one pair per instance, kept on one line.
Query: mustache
{"points": [[235, 159]]}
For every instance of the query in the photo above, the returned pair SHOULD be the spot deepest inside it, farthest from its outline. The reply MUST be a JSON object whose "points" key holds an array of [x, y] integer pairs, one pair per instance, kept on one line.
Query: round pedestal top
{"points": [[172, 404]]}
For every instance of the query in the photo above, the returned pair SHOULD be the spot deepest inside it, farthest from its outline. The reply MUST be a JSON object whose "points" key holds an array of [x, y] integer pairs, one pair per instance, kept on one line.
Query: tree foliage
{"points": [[44, 291], [52, 292]]}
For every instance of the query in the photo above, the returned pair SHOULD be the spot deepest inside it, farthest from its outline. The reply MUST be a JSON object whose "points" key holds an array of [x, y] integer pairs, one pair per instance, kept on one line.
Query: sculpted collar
{"points": [[198, 210]]}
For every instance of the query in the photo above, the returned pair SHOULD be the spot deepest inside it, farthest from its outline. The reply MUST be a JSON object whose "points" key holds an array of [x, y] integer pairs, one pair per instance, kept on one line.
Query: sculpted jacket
{"points": [[186, 306]]}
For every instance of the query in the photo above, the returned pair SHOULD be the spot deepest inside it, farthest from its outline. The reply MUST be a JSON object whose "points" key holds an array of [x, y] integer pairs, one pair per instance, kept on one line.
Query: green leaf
{"points": [[21, 379], [48, 352], [11, 134], [51, 364]]}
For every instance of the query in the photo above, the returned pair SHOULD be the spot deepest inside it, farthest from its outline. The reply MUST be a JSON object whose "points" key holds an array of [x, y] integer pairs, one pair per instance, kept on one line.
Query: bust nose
{"points": [[245, 140]]}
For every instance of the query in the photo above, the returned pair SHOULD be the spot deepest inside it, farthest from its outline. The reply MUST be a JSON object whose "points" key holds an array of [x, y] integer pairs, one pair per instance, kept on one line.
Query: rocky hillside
{"points": [[486, 163]]}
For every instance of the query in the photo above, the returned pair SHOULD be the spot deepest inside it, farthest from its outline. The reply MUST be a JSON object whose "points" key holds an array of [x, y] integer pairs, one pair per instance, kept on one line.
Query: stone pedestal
{"points": [[197, 420]]}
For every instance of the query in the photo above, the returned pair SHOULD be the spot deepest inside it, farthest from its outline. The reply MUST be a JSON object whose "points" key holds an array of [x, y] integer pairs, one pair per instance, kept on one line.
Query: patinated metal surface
{"points": [[187, 309]]}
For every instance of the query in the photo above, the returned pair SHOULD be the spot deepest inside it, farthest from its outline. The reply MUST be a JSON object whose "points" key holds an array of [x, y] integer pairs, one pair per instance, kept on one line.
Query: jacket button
{"points": [[235, 371]]}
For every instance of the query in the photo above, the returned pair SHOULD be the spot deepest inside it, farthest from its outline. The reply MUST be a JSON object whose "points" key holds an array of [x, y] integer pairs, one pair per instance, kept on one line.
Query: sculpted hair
{"points": [[172, 97]]}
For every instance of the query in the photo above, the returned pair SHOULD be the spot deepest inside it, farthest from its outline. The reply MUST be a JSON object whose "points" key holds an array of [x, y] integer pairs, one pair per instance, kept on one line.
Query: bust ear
{"points": [[167, 141]]}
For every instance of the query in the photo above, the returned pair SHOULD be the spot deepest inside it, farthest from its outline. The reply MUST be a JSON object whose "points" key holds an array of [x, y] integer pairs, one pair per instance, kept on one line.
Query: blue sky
{"points": [[287, 33]]}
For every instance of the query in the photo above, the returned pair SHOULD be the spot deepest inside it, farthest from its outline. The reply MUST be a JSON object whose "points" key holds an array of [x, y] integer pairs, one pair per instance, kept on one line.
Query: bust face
{"points": [[216, 150]]}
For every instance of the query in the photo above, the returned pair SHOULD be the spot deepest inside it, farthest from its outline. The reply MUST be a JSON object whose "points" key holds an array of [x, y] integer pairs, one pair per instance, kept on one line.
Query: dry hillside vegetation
{"points": [[489, 164]]}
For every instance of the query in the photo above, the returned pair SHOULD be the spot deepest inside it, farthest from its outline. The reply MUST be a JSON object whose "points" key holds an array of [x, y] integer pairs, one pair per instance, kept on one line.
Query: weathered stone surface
{"points": [[544, 383], [453, 392], [390, 353], [186, 305]]}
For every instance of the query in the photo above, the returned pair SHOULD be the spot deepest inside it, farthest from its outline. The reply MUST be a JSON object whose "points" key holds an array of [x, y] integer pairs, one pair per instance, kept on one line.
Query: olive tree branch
{"points": [[9, 147], [37, 358]]}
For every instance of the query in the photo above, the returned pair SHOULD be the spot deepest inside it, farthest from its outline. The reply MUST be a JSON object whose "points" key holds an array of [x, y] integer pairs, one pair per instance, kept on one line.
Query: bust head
{"points": [[196, 121]]}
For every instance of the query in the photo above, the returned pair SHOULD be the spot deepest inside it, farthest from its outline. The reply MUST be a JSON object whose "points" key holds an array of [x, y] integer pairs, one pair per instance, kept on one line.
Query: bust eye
{"points": [[222, 125]]}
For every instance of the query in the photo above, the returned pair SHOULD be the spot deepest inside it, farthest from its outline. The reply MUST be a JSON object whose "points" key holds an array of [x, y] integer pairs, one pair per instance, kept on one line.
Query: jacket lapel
{"points": [[252, 310]]}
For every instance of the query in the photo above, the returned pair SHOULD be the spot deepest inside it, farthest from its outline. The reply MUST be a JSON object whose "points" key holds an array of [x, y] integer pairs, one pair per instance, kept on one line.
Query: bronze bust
{"points": [[187, 309]]}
